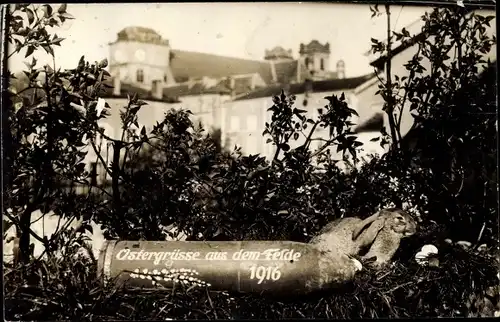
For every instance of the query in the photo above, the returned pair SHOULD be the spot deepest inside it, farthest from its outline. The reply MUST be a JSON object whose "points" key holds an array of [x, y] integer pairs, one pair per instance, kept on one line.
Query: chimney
{"points": [[273, 71], [209, 82], [341, 69], [157, 89], [117, 85], [232, 86], [298, 70]]}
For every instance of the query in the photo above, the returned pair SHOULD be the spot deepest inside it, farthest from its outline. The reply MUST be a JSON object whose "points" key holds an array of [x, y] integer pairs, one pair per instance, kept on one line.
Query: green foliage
{"points": [[452, 102], [177, 174], [50, 120]]}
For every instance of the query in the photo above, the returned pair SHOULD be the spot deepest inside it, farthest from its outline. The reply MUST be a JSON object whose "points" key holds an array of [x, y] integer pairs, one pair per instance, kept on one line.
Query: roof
{"points": [[278, 53], [141, 34], [107, 92], [186, 65], [399, 46], [241, 85], [373, 124], [196, 89], [314, 47], [286, 71], [317, 87], [380, 61]]}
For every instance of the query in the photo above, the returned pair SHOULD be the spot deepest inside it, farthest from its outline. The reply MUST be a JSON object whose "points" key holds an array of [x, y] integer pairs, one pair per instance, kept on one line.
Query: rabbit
{"points": [[351, 235], [346, 235], [391, 226]]}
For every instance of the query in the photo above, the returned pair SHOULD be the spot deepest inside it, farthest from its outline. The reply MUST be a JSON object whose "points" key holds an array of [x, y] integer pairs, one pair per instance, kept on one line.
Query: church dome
{"points": [[141, 34], [314, 47]]}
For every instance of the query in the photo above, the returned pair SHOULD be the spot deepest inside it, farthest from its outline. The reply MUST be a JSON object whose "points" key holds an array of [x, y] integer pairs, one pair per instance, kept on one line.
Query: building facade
{"points": [[245, 117], [234, 94], [229, 93]]}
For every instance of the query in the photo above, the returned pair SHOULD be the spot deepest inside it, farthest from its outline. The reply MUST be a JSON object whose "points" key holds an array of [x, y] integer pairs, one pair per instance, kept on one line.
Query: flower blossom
{"points": [[427, 256]]}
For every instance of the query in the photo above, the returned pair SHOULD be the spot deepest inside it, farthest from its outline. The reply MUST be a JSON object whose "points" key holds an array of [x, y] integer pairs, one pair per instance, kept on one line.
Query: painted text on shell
{"points": [[272, 254]]}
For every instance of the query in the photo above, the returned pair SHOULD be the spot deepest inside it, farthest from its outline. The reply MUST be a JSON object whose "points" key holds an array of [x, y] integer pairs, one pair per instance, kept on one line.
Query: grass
{"points": [[68, 289]]}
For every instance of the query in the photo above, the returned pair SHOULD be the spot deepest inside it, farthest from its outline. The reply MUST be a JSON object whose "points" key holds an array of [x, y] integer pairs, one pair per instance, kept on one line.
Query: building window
{"points": [[322, 64], [140, 76], [252, 123], [235, 123], [165, 78], [307, 62], [123, 73]]}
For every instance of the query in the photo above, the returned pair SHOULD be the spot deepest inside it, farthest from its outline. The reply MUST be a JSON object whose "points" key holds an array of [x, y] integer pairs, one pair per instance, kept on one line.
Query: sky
{"points": [[242, 30]]}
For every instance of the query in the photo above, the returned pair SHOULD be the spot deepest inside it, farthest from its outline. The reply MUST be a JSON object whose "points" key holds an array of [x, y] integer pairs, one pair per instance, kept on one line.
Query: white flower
{"points": [[422, 257], [300, 190], [387, 205], [464, 244], [482, 248], [430, 249], [357, 264], [394, 183]]}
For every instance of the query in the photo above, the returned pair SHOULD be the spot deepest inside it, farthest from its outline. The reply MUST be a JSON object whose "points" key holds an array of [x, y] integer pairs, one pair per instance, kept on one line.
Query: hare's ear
{"points": [[359, 227]]}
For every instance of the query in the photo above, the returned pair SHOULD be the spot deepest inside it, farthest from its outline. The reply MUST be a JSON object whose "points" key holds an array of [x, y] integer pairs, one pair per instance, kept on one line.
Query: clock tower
{"points": [[140, 57], [316, 57]]}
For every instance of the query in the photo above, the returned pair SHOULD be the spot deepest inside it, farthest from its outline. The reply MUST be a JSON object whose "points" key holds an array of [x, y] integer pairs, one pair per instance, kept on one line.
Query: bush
{"points": [[179, 175]]}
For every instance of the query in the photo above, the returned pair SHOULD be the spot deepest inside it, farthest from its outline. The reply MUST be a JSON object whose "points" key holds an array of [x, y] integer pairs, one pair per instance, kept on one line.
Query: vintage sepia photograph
{"points": [[249, 160]]}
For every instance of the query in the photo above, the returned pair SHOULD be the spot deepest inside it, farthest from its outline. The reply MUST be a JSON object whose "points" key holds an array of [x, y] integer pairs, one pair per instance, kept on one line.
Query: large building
{"points": [[222, 92], [141, 57], [233, 94]]}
